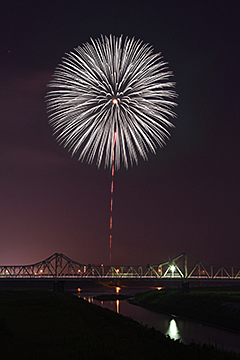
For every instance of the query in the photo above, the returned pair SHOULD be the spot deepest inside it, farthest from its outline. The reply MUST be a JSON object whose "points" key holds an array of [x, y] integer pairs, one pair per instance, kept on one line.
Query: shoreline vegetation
{"points": [[40, 324], [218, 306]]}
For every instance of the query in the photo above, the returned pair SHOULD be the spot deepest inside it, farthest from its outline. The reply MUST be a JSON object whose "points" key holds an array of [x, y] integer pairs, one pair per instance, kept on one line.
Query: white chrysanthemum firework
{"points": [[112, 86]]}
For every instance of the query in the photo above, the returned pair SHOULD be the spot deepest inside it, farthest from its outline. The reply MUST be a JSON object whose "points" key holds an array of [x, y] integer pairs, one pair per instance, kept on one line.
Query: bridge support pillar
{"points": [[185, 287], [58, 286]]}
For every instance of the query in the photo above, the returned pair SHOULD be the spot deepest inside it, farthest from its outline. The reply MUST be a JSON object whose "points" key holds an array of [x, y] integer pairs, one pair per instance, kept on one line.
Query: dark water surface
{"points": [[178, 328]]}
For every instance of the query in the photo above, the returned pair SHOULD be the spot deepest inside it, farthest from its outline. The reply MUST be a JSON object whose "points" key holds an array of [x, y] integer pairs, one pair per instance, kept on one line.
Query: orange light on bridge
{"points": [[118, 289]]}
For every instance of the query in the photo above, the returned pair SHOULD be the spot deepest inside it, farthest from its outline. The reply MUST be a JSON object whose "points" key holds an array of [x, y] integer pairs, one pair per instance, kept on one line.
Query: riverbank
{"points": [[219, 307], [39, 324]]}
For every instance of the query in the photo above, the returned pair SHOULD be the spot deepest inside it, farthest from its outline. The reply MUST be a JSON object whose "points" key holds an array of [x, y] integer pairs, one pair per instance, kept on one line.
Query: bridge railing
{"points": [[183, 266]]}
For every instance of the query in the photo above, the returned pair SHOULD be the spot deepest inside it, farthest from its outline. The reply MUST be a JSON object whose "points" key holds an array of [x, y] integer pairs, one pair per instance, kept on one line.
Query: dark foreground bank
{"points": [[39, 324]]}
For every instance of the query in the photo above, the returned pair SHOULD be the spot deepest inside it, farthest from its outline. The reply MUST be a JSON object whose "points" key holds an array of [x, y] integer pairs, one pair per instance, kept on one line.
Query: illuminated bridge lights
{"points": [[60, 266]]}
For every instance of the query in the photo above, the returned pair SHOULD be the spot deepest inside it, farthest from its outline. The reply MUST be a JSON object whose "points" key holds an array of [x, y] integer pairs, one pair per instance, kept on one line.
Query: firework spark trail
{"points": [[111, 207], [85, 89], [107, 87]]}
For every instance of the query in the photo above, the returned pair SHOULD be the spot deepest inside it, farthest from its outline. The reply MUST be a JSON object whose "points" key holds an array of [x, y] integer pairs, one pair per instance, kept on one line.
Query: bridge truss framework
{"points": [[183, 267]]}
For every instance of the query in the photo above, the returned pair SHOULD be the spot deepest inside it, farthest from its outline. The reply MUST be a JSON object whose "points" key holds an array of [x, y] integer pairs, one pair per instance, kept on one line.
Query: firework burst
{"points": [[109, 86]]}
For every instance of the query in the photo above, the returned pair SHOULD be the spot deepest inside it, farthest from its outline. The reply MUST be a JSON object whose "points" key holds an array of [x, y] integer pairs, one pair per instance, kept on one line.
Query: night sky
{"points": [[183, 199]]}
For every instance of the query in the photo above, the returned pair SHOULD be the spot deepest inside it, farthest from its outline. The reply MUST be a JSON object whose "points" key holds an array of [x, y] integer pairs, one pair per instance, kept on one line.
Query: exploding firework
{"points": [[111, 101], [109, 86]]}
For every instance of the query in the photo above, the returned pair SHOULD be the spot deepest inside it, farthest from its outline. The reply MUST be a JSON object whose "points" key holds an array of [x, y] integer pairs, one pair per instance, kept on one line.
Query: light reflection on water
{"points": [[170, 325], [172, 331], [118, 306], [177, 328]]}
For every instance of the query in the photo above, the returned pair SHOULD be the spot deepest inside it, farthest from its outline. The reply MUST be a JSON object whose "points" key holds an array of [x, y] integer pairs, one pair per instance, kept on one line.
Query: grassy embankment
{"points": [[39, 324], [216, 306]]}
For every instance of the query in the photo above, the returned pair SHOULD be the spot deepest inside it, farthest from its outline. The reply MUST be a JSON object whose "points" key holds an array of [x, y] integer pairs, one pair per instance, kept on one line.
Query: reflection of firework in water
{"points": [[110, 102]]}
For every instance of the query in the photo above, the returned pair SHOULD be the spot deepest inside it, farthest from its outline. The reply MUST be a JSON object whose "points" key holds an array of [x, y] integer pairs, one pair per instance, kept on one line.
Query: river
{"points": [[178, 328]]}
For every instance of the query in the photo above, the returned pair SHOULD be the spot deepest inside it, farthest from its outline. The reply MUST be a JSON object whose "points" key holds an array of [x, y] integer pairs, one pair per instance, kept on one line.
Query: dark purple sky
{"points": [[184, 199]]}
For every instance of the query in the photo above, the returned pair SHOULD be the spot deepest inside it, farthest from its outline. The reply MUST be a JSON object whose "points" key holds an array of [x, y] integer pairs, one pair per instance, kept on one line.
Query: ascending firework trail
{"points": [[112, 85], [111, 207]]}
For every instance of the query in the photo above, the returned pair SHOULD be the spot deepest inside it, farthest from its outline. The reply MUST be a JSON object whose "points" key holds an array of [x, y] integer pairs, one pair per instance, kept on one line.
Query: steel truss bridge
{"points": [[59, 267]]}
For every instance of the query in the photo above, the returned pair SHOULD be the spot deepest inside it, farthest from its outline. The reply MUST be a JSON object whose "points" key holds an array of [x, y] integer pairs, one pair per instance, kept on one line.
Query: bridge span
{"points": [[60, 269]]}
